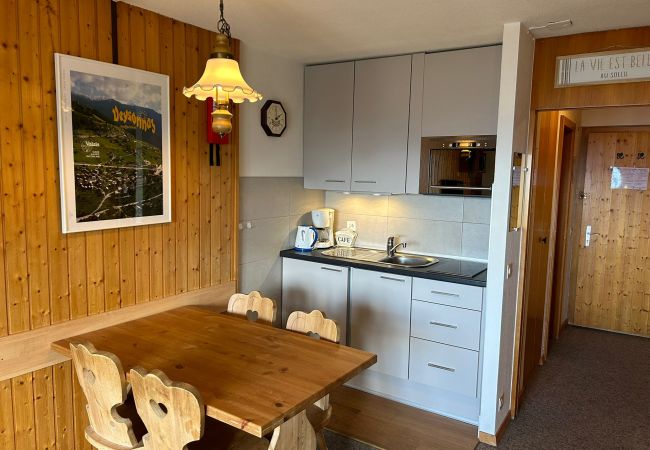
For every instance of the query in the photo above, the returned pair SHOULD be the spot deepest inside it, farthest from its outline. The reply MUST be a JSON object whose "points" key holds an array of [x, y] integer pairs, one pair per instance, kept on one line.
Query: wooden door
{"points": [[382, 91], [329, 91], [536, 283], [613, 285]]}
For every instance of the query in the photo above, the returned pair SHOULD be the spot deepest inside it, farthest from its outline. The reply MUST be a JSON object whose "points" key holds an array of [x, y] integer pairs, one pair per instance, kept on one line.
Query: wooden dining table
{"points": [[251, 376]]}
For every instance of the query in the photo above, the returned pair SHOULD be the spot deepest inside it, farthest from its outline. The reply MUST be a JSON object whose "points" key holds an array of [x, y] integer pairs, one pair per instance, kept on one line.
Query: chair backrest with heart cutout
{"points": [[253, 306], [104, 385], [173, 412], [314, 324]]}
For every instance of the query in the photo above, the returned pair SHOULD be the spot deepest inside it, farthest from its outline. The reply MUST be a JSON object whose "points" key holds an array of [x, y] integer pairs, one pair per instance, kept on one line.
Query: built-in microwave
{"points": [[457, 165]]}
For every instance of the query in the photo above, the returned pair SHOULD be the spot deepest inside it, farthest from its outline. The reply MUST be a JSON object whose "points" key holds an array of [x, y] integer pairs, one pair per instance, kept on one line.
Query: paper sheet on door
{"points": [[630, 178]]}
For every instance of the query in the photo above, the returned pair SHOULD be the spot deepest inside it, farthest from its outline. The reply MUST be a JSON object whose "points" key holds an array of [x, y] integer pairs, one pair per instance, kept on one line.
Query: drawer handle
{"points": [[365, 181], [334, 181], [446, 325], [392, 279], [436, 366], [449, 294], [331, 270]]}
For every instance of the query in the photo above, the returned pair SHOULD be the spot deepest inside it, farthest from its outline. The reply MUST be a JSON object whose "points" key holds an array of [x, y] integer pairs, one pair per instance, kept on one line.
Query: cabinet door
{"points": [[380, 317], [307, 286], [327, 123], [461, 92], [382, 89]]}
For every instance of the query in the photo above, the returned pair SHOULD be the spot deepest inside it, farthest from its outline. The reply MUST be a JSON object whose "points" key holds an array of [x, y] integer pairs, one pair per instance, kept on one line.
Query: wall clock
{"points": [[273, 118]]}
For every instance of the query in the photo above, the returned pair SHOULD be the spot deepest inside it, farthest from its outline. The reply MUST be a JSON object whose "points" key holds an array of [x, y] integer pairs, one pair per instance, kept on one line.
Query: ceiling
{"points": [[329, 30]]}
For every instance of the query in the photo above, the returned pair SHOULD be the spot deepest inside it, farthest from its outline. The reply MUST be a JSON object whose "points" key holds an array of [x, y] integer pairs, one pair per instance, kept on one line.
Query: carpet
{"points": [[593, 392], [336, 441]]}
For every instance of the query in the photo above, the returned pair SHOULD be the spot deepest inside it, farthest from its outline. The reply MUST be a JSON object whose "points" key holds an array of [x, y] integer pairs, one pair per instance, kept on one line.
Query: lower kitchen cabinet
{"points": [[308, 285], [380, 311]]}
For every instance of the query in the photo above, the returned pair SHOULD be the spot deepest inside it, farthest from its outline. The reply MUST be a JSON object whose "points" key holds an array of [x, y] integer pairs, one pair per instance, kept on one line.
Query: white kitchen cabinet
{"points": [[445, 324], [382, 90], [461, 92], [309, 285], [380, 311], [327, 126]]}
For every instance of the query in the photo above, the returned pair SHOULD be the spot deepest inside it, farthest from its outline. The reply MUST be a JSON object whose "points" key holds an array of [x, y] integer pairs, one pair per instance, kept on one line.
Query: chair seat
{"points": [[318, 418], [220, 436]]}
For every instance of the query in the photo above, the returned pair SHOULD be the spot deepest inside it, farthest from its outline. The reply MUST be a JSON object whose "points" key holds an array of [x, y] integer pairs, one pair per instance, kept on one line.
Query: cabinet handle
{"points": [[446, 325], [436, 366], [365, 181], [334, 181], [449, 294], [392, 279], [331, 270]]}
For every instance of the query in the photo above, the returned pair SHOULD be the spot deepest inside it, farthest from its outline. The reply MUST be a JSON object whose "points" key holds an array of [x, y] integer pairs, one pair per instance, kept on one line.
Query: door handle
{"points": [[544, 240], [392, 279]]}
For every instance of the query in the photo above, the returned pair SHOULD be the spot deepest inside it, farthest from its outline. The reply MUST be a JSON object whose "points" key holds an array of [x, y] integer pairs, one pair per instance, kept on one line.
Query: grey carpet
{"points": [[337, 441], [592, 393]]}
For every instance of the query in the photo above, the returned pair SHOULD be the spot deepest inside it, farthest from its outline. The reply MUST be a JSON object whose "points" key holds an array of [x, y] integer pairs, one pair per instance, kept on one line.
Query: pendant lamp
{"points": [[222, 81]]}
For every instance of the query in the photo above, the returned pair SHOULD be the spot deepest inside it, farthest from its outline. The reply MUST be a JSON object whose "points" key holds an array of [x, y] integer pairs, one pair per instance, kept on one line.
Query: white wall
{"points": [[277, 79], [628, 116], [500, 306]]}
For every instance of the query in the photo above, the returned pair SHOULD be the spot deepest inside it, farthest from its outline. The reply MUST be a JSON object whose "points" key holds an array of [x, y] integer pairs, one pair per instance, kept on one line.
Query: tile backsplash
{"points": [[445, 226], [273, 207]]}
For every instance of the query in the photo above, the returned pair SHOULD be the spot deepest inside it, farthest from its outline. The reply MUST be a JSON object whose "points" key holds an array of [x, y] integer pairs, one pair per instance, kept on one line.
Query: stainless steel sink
{"points": [[409, 260]]}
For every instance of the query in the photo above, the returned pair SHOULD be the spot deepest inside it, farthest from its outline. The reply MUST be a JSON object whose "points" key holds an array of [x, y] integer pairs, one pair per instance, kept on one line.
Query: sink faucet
{"points": [[391, 247]]}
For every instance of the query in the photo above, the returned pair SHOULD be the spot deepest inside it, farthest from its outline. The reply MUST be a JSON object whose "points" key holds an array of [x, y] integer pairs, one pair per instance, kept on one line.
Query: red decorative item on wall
{"points": [[214, 139]]}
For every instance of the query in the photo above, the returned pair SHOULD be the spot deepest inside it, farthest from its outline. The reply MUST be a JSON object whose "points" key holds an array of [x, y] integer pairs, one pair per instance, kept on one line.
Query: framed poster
{"points": [[114, 157]]}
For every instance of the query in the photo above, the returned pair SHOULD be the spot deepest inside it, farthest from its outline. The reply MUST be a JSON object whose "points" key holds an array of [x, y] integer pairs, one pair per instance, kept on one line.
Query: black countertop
{"points": [[451, 270]]}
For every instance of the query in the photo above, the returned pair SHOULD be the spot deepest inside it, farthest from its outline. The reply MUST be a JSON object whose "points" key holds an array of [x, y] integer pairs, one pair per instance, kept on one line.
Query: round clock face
{"points": [[274, 118]]}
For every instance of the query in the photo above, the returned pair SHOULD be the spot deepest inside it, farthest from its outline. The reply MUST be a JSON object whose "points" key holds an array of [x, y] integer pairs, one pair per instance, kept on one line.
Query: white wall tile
{"points": [[265, 239], [476, 238], [264, 198], [431, 207], [371, 205], [304, 200], [427, 236], [476, 210], [371, 230]]}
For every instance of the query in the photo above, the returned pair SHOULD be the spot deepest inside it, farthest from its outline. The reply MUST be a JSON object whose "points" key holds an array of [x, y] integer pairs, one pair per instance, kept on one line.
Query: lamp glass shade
{"points": [[222, 81]]}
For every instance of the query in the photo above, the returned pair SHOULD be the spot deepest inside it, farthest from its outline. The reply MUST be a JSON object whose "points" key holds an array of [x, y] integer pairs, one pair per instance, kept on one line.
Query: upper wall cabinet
{"points": [[461, 92], [329, 91], [382, 89]]}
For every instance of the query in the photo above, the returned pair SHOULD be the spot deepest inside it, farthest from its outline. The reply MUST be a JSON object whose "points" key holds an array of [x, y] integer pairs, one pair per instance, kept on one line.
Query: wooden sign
{"points": [[602, 68]]}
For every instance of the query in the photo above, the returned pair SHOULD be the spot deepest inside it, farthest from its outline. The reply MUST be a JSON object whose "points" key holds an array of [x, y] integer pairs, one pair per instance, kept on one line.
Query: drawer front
{"points": [[444, 367], [446, 324], [452, 294]]}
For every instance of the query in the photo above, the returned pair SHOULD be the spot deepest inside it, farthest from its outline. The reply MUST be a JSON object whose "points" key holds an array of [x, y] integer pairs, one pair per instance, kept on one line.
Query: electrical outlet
{"points": [[352, 225], [509, 270], [501, 402]]}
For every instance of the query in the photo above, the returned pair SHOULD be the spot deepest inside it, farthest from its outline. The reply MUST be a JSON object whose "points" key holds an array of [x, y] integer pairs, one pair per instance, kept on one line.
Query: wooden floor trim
{"points": [[491, 439], [29, 351]]}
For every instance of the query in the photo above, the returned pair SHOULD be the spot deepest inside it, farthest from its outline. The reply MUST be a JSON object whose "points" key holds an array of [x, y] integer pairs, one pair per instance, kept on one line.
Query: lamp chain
{"points": [[222, 26]]}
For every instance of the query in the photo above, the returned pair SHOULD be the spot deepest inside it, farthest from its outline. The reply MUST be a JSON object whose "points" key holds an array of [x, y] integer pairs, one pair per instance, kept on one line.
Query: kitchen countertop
{"points": [[447, 269]]}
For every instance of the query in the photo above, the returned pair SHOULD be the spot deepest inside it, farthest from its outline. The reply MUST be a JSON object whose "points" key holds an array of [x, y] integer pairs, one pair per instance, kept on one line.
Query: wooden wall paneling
{"points": [[138, 59], [204, 50], [167, 65], [70, 43], [23, 405], [153, 44], [126, 235], [17, 292], [33, 164], [193, 72], [216, 220], [546, 96], [44, 409], [81, 421], [6, 416], [4, 326], [63, 411], [57, 242], [180, 156]]}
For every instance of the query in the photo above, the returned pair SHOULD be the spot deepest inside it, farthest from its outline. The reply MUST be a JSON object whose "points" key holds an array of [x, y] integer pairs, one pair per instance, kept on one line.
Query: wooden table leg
{"points": [[294, 434]]}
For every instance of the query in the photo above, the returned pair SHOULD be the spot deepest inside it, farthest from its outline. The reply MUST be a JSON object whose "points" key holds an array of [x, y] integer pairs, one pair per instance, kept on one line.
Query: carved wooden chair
{"points": [[104, 385], [316, 325], [254, 307], [174, 415]]}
